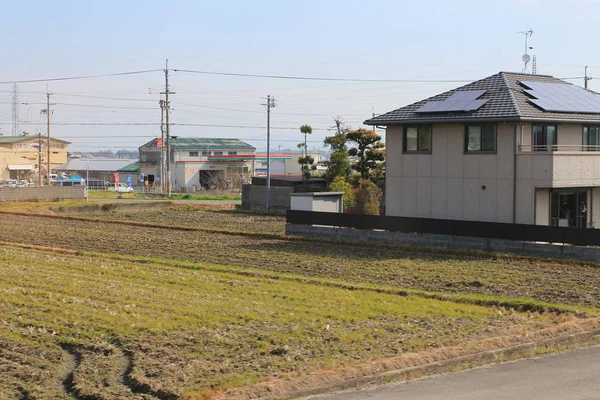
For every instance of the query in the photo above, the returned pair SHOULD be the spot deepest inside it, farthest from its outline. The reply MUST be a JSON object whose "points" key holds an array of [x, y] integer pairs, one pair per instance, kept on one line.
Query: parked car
{"points": [[10, 183], [24, 183], [123, 188]]}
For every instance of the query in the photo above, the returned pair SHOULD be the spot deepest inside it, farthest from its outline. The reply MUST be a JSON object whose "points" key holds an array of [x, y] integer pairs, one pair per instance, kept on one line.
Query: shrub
{"points": [[339, 184], [368, 198]]}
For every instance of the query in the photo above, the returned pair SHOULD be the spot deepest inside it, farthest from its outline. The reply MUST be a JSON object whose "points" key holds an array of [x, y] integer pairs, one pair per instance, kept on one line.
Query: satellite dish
{"points": [[526, 58]]}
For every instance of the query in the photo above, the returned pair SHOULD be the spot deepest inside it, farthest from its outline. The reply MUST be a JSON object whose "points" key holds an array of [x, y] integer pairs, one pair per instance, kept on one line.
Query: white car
{"points": [[123, 188], [10, 183]]}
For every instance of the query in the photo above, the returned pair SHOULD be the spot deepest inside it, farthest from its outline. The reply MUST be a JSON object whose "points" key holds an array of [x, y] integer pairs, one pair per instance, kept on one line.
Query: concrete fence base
{"points": [[42, 193], [254, 198], [451, 242]]}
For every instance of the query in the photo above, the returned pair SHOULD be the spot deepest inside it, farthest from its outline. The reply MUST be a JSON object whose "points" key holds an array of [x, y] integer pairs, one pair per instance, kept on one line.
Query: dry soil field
{"points": [[511, 277], [114, 310], [102, 328]]}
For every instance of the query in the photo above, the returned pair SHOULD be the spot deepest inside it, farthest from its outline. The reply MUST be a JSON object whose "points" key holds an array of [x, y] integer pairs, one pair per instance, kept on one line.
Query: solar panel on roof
{"points": [[465, 100], [559, 97]]}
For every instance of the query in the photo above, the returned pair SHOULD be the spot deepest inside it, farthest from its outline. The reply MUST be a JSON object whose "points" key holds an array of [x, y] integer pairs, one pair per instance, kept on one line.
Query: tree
{"points": [[368, 198], [369, 150], [338, 164], [307, 165], [339, 184], [307, 130]]}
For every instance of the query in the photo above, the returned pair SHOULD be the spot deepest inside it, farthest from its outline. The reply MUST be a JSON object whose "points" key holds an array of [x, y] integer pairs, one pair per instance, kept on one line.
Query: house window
{"points": [[480, 138], [417, 139], [217, 153], [205, 153], [544, 137], [193, 154], [232, 153], [591, 138]]}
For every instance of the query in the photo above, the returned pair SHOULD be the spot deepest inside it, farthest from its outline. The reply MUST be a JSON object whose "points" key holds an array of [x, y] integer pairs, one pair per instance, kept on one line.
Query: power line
{"points": [[69, 78], [313, 78], [158, 124], [100, 106], [102, 97]]}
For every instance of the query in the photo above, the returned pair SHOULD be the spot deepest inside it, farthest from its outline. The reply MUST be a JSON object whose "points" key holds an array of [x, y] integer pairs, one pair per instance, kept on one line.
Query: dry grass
{"points": [[135, 330]]}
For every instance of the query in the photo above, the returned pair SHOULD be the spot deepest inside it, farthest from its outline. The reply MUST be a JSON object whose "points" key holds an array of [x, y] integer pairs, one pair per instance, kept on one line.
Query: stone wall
{"points": [[42, 193]]}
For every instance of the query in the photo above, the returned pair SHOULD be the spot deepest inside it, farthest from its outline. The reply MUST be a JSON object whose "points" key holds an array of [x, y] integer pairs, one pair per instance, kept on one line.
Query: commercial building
{"points": [[15, 167], [98, 168], [515, 148], [28, 147], [199, 162]]}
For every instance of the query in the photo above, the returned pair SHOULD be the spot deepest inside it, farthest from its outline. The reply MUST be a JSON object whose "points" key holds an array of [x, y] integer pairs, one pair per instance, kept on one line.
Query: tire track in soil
{"points": [[69, 367], [139, 390], [137, 387]]}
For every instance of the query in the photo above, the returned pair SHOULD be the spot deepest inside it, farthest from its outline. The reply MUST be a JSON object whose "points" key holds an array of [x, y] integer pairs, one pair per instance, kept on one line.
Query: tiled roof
{"points": [[506, 101], [15, 139], [205, 143]]}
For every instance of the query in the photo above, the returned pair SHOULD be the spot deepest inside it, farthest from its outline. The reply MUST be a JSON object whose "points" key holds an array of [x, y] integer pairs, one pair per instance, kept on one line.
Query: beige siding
{"points": [[449, 183], [542, 206]]}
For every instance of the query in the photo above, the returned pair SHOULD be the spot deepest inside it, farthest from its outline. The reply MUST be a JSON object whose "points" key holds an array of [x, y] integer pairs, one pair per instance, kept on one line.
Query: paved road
{"points": [[573, 375]]}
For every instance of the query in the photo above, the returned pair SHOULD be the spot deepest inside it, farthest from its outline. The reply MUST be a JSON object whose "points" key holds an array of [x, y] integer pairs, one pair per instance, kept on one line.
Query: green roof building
{"points": [[198, 163]]}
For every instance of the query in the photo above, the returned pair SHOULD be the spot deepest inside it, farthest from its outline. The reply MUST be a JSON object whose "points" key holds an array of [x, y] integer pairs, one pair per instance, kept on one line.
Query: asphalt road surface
{"points": [[572, 375]]}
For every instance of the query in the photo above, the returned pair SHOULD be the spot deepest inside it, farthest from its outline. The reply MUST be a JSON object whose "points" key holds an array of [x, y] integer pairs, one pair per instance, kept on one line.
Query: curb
{"points": [[524, 350]]}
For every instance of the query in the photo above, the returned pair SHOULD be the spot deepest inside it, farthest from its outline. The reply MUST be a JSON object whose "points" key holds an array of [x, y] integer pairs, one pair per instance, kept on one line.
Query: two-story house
{"points": [[199, 162], [514, 148]]}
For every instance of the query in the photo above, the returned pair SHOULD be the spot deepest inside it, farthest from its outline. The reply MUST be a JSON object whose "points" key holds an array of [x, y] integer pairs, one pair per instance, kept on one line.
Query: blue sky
{"points": [[437, 40]]}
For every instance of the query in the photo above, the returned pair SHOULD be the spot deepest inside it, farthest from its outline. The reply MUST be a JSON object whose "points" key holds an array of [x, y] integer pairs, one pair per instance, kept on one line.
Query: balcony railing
{"points": [[559, 148]]}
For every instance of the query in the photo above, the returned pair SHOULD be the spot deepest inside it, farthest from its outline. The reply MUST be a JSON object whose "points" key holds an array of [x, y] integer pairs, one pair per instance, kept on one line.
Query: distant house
{"points": [[199, 162], [512, 147], [287, 164], [99, 168]]}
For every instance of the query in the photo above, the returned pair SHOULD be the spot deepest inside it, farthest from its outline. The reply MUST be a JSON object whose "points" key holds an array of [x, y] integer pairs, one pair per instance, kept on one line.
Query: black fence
{"points": [[496, 230]]}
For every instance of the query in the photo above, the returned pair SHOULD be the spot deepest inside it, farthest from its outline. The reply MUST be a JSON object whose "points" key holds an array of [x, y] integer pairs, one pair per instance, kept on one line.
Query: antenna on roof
{"points": [[526, 58]]}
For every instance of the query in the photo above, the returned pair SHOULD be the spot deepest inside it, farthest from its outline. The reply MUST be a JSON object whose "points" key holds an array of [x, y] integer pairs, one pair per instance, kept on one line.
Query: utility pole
{"points": [[270, 104], [40, 152], [162, 147], [168, 127], [586, 78], [15, 110], [48, 112]]}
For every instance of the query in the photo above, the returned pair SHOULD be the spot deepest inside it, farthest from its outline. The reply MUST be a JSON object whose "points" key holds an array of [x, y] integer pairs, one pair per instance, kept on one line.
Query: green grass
{"points": [[197, 329], [100, 194], [188, 196]]}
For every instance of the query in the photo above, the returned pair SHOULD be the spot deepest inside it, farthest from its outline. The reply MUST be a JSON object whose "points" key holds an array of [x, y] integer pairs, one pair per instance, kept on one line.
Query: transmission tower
{"points": [[15, 110]]}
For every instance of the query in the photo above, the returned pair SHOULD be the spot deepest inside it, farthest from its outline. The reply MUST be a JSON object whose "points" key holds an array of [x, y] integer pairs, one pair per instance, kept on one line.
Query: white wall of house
{"points": [[448, 183]]}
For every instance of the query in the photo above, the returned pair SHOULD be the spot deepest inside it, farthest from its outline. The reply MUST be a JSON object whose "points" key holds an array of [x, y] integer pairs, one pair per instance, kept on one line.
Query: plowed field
{"points": [[554, 282]]}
